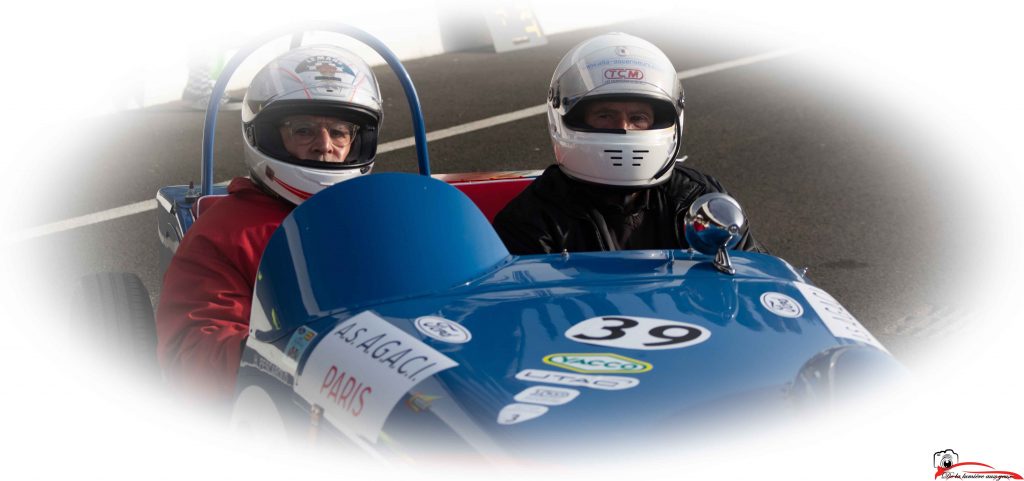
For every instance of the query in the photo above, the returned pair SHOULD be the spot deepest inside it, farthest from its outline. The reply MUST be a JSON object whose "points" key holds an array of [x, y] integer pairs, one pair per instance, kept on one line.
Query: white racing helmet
{"points": [[318, 80], [615, 67]]}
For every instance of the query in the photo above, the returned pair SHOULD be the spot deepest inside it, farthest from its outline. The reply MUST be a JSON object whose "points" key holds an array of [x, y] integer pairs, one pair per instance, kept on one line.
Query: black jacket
{"points": [[557, 213]]}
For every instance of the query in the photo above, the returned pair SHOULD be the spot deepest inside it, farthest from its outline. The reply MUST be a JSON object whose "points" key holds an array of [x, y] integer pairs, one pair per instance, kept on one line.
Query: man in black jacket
{"points": [[615, 115]]}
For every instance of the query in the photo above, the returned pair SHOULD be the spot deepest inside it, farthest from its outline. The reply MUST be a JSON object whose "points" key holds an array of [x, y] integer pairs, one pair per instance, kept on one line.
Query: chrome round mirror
{"points": [[712, 226]]}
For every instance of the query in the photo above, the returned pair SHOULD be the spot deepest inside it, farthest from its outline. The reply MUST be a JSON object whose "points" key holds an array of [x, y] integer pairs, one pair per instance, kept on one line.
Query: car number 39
{"points": [[637, 333]]}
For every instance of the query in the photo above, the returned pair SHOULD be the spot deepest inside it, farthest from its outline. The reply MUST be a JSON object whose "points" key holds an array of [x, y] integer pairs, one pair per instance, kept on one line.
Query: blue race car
{"points": [[422, 331]]}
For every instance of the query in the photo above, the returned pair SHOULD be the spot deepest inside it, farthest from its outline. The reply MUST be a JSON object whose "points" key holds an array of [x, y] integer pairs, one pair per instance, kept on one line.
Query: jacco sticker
{"points": [[597, 363]]}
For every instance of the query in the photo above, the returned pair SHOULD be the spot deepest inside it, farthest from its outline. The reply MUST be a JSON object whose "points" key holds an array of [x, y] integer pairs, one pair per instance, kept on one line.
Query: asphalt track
{"points": [[829, 178]]}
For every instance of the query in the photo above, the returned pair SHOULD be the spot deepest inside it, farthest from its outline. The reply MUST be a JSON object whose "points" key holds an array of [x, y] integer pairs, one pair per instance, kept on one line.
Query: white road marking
{"points": [[147, 205], [82, 221]]}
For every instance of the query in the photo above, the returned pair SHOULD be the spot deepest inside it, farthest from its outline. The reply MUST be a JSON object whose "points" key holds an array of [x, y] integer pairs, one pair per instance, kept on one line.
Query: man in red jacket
{"points": [[309, 120]]}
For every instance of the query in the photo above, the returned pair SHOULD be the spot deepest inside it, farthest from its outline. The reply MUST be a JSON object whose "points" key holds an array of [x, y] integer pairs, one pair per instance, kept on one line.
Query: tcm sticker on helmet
{"points": [[624, 74], [362, 369]]}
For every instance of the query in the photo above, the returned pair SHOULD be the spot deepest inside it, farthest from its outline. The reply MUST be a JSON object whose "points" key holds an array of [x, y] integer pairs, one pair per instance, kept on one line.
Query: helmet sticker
{"points": [[328, 67], [624, 74], [621, 62]]}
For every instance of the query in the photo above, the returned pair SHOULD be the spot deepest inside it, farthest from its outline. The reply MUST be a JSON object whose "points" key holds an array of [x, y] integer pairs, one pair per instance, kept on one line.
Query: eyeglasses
{"points": [[304, 131]]}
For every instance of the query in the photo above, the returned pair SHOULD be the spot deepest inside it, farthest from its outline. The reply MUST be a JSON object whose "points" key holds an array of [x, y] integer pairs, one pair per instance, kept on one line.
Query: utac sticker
{"points": [[837, 319], [604, 383], [362, 368]]}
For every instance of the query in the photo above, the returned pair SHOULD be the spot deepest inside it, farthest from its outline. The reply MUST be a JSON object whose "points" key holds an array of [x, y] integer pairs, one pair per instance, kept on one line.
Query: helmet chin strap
{"points": [[671, 160], [668, 165]]}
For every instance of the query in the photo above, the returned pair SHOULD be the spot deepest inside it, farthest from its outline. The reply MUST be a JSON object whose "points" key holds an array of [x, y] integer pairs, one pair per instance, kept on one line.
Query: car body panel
{"points": [[519, 310]]}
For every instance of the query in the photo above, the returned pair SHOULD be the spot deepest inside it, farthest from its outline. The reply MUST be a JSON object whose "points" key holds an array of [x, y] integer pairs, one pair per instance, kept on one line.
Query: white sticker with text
{"points": [[606, 383], [517, 413], [837, 319], [362, 368], [547, 395]]}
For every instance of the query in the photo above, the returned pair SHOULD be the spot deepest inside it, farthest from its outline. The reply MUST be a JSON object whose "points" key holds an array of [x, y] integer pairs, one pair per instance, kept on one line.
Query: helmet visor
{"points": [[620, 71], [306, 131]]}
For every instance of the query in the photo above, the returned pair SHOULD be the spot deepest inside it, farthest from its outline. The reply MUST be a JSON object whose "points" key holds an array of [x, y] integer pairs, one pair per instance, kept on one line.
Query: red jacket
{"points": [[203, 314]]}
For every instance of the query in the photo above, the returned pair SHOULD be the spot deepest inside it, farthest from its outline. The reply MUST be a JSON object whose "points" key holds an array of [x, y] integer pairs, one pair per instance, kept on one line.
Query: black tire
{"points": [[116, 318]]}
